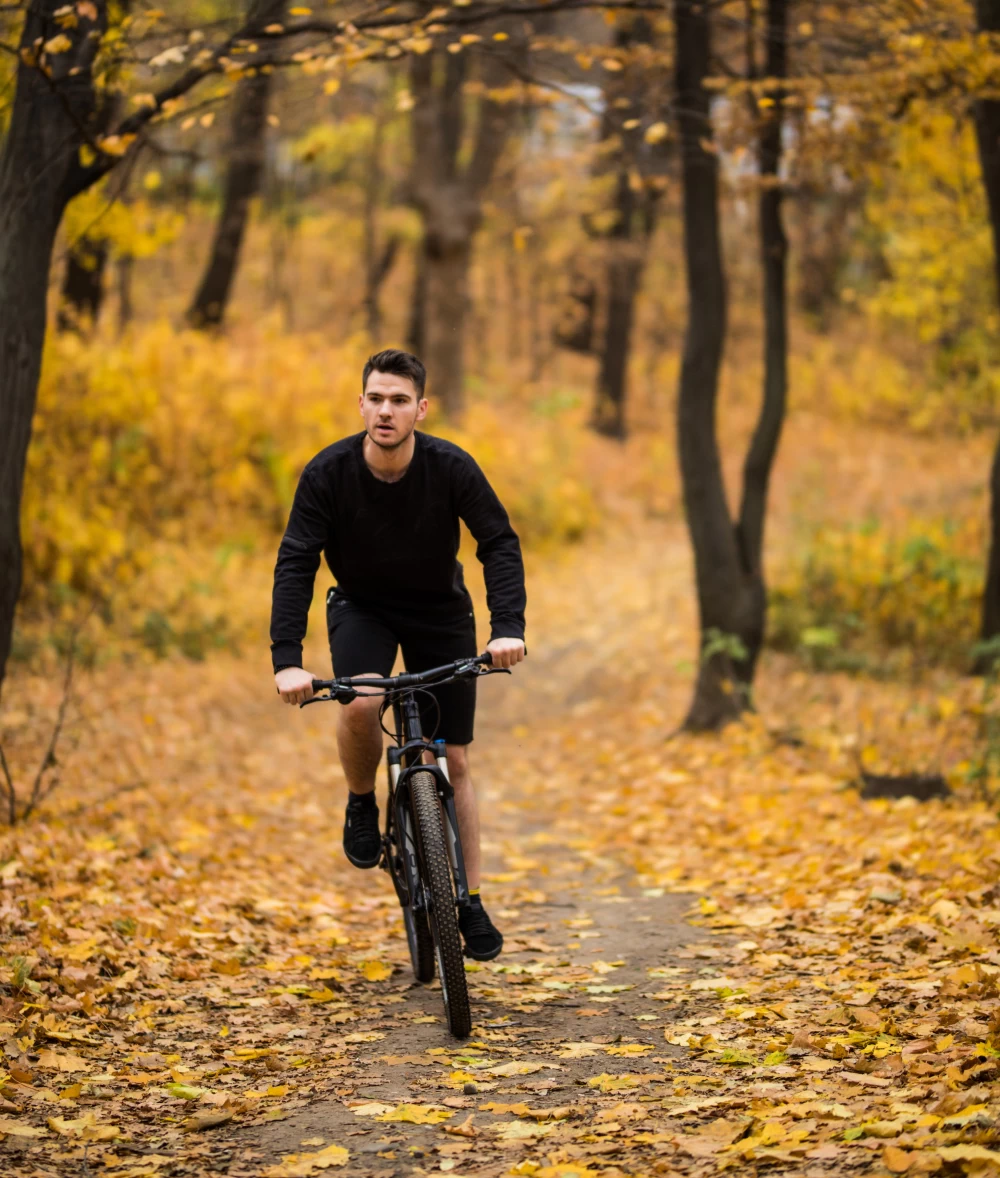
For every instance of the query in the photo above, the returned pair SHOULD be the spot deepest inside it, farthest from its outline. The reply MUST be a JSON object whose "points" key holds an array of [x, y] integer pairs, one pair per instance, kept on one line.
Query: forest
{"points": [[710, 289]]}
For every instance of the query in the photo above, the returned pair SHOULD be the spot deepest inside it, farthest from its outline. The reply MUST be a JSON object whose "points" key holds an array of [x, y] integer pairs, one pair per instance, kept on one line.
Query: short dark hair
{"points": [[396, 363]]}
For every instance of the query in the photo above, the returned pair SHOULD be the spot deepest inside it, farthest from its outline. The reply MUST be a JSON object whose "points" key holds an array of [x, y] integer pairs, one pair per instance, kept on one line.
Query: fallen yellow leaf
{"points": [[375, 971], [417, 1114]]}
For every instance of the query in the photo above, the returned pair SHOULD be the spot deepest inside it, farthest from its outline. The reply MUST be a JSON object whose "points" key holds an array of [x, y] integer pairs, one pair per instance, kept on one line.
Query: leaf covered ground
{"points": [[719, 956]]}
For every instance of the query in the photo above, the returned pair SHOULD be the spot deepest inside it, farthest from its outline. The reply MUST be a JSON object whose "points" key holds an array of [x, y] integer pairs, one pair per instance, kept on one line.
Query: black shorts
{"points": [[364, 639]]}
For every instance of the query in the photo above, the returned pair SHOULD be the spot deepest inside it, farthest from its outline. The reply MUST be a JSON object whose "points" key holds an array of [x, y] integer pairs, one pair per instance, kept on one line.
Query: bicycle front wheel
{"points": [[437, 878]]}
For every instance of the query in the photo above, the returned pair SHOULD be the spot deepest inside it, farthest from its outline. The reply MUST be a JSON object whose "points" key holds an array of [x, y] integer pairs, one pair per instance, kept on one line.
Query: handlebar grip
{"points": [[319, 684]]}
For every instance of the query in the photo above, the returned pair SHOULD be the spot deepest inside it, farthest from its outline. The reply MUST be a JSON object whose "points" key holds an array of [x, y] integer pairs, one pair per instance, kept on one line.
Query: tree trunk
{"points": [[991, 592], [378, 258], [514, 344], [416, 332], [83, 284], [773, 254], [448, 194], [39, 173], [374, 278], [575, 329], [987, 118], [726, 608], [126, 311], [447, 302], [244, 169], [824, 219], [624, 275], [627, 102]]}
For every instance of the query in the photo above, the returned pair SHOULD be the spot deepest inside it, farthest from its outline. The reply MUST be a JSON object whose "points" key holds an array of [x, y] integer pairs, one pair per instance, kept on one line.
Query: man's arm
{"points": [[295, 573], [499, 551]]}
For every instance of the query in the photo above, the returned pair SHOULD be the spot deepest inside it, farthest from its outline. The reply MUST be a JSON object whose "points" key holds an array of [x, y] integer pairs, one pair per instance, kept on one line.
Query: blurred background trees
{"points": [[612, 232]]}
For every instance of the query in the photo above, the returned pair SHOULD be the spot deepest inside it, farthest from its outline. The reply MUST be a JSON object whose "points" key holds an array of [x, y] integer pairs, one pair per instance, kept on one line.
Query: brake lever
{"points": [[472, 671], [342, 697]]}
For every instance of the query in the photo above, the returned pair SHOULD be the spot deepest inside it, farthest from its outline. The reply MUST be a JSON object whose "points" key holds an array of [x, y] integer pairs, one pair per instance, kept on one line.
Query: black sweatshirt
{"points": [[394, 545]]}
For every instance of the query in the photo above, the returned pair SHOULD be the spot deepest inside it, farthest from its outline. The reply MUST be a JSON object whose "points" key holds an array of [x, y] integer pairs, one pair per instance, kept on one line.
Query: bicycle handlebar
{"points": [[349, 687]]}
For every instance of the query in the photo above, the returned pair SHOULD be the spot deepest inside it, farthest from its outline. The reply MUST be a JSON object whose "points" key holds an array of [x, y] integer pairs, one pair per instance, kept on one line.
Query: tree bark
{"points": [[416, 332], [447, 300], [718, 575], [244, 169], [626, 99], [731, 597], [379, 257], [773, 255], [624, 275], [82, 291], [374, 278], [124, 268], [40, 172], [449, 197], [987, 120]]}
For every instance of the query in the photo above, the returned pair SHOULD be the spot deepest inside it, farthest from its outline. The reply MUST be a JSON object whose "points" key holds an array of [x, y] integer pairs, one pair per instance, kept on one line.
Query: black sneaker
{"points": [[483, 941], [362, 840]]}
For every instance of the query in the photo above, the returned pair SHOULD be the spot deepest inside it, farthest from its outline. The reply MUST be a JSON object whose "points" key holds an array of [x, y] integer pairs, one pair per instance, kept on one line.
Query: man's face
{"points": [[391, 409]]}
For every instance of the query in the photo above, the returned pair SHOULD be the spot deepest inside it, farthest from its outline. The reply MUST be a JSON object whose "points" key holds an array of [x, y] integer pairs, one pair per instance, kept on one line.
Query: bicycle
{"points": [[421, 847]]}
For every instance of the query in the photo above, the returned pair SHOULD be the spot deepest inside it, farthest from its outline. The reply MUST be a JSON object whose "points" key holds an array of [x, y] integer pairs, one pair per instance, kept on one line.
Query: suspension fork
{"points": [[440, 751], [407, 714], [405, 833]]}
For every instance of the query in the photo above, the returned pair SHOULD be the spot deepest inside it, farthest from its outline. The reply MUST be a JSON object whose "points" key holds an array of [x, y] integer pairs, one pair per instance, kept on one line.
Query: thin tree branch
{"points": [[50, 753], [9, 789]]}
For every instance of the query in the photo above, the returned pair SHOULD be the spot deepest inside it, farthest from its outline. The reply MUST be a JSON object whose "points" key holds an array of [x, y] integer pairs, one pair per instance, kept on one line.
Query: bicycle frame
{"points": [[404, 759]]}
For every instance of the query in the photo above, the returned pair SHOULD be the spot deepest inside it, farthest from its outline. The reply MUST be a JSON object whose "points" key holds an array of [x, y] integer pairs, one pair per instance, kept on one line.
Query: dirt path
{"points": [[515, 1022], [717, 953], [572, 997]]}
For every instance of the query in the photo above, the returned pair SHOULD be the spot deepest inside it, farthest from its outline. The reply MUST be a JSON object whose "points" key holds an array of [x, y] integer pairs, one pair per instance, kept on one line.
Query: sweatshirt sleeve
{"points": [[295, 572], [498, 549]]}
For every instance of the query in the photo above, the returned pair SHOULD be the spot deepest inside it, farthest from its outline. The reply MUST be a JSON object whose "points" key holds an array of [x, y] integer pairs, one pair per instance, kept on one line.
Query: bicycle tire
{"points": [[421, 943], [443, 916]]}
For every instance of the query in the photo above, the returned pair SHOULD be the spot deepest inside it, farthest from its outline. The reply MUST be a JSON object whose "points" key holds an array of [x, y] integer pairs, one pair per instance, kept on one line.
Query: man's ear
{"points": [[361, 404], [422, 408]]}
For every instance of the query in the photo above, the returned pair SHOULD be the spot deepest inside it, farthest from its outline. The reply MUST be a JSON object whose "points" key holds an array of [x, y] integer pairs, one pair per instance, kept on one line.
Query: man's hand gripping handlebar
{"points": [[345, 690], [295, 685]]}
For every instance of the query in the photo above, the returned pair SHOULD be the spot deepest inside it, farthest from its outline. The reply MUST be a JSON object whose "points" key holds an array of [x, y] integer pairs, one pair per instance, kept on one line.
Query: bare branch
{"points": [[9, 789], [50, 753]]}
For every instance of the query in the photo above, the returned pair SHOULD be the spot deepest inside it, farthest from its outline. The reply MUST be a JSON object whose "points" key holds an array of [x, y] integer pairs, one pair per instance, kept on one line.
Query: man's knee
{"points": [[361, 714], [458, 762]]}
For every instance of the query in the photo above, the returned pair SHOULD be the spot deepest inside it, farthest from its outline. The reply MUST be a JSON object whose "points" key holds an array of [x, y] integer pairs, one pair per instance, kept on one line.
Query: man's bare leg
{"points": [[467, 810], [359, 741], [483, 940]]}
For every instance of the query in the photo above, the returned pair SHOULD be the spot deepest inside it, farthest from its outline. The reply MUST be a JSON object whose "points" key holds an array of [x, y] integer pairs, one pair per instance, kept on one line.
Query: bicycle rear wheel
{"points": [[436, 870]]}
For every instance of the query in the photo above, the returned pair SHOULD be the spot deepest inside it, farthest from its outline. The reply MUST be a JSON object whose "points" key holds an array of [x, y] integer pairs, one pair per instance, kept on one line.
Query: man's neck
{"points": [[389, 465]]}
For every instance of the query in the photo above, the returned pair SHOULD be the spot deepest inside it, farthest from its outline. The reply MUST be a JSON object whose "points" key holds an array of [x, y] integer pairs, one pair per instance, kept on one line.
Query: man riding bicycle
{"points": [[384, 507]]}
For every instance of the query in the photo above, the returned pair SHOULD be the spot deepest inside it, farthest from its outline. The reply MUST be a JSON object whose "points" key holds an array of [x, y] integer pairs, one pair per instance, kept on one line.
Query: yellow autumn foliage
{"points": [[138, 228], [916, 348], [857, 595], [926, 212]]}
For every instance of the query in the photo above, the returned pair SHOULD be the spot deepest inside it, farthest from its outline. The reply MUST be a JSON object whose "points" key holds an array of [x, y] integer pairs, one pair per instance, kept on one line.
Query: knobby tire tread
{"points": [[429, 819]]}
